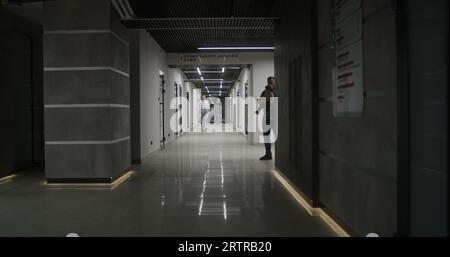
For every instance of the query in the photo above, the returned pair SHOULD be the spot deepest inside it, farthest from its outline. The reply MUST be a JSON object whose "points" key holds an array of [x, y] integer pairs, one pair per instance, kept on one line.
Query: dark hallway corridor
{"points": [[223, 119]]}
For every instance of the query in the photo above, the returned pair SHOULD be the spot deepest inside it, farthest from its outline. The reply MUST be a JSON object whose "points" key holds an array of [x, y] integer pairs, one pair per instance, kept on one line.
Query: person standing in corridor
{"points": [[267, 94]]}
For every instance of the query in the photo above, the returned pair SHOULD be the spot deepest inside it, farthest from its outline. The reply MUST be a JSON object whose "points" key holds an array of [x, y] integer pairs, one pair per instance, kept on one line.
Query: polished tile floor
{"points": [[200, 185]]}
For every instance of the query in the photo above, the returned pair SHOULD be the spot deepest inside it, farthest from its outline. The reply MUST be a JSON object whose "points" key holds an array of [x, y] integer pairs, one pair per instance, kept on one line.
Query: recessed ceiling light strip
{"points": [[238, 48]]}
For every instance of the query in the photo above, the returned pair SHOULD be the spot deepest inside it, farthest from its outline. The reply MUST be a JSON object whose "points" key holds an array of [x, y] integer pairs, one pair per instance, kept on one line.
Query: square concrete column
{"points": [[86, 92]]}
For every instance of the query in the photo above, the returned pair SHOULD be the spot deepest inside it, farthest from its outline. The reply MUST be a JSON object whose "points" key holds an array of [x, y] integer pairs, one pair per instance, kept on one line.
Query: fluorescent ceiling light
{"points": [[206, 81], [238, 48], [223, 69], [211, 79], [199, 72], [203, 72]]}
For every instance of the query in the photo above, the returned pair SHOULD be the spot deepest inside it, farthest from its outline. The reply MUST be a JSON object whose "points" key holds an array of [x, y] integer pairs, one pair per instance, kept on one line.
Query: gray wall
{"points": [[427, 25], [135, 99], [358, 156], [349, 167], [293, 42], [87, 115], [147, 60]]}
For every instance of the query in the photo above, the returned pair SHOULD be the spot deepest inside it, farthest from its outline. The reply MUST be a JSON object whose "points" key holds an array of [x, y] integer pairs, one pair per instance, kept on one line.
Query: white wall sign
{"points": [[198, 59], [344, 8], [348, 86], [349, 30]]}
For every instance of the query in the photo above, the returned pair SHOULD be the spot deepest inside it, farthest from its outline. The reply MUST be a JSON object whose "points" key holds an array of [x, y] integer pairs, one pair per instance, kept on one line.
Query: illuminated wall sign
{"points": [[348, 86], [198, 59]]}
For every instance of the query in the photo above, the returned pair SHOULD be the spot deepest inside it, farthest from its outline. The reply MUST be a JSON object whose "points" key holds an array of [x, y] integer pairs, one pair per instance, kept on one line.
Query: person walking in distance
{"points": [[266, 96], [204, 106]]}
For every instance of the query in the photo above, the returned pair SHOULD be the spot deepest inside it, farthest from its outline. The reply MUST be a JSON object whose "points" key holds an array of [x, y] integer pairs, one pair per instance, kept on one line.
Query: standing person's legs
{"points": [[203, 116], [268, 146]]}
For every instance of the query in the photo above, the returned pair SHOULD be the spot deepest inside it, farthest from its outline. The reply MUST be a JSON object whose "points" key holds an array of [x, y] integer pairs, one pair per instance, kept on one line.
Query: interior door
{"points": [[162, 92], [246, 109], [180, 110], [16, 136]]}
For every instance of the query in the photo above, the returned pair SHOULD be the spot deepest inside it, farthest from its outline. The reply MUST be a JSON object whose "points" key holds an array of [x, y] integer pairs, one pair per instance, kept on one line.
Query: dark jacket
{"points": [[267, 93]]}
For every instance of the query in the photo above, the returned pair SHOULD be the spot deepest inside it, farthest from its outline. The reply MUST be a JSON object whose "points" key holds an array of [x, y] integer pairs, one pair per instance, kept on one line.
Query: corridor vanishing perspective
{"points": [[200, 185], [214, 120]]}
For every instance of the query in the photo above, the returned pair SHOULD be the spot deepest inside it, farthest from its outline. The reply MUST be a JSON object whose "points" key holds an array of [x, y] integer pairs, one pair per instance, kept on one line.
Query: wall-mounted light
{"points": [[238, 48]]}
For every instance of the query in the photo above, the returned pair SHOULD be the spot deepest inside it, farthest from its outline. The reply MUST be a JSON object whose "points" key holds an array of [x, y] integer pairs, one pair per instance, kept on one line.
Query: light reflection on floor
{"points": [[201, 185]]}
